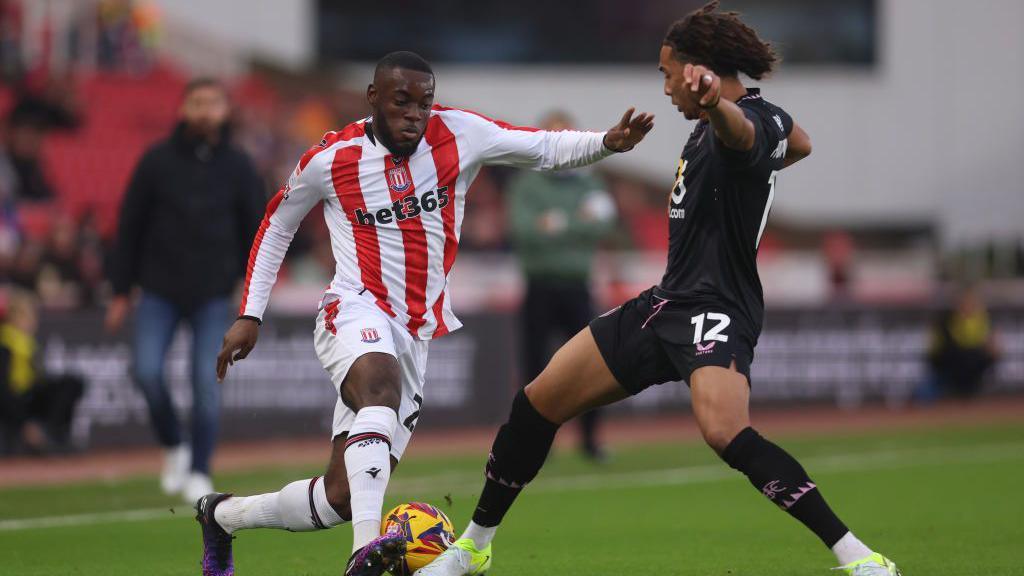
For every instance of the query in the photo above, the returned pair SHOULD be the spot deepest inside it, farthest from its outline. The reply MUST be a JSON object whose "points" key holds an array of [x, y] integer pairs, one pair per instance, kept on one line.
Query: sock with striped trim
{"points": [[299, 507], [784, 481], [368, 465]]}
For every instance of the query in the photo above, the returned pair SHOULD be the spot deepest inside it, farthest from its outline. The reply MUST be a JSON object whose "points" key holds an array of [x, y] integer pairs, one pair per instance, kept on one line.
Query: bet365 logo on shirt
{"points": [[409, 207], [675, 206]]}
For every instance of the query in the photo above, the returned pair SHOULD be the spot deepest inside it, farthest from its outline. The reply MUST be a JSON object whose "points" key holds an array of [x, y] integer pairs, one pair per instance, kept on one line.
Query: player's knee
{"points": [[338, 496], [718, 435], [374, 380]]}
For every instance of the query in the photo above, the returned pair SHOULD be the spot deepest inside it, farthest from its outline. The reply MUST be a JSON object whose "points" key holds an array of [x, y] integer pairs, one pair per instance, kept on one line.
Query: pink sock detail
{"points": [[786, 504]]}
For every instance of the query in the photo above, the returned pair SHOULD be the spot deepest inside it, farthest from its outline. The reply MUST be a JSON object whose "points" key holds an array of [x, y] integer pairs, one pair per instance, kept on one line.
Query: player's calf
{"points": [[781, 479], [517, 455]]}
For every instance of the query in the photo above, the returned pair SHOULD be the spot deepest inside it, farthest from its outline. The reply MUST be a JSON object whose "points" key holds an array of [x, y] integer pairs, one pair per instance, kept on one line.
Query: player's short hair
{"points": [[403, 59], [203, 82], [722, 42]]}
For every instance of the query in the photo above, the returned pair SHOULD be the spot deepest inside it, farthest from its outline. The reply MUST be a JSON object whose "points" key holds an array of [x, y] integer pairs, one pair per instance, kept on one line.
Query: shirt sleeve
{"points": [[769, 131], [525, 147], [285, 211]]}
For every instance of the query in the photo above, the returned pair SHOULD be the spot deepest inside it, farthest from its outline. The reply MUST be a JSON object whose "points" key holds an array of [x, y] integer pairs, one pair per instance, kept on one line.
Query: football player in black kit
{"points": [[701, 323]]}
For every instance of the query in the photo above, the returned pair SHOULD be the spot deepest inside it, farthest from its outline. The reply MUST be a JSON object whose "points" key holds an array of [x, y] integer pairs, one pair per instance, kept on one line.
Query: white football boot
{"points": [[460, 559], [197, 486], [177, 462], [874, 565]]}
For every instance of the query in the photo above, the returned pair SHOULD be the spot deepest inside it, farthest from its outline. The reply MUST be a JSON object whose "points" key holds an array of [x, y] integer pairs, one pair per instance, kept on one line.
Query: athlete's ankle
{"points": [[481, 536]]}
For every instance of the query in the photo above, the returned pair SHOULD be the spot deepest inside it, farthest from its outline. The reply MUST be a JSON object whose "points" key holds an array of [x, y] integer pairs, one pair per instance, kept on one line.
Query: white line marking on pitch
{"points": [[859, 461], [89, 519]]}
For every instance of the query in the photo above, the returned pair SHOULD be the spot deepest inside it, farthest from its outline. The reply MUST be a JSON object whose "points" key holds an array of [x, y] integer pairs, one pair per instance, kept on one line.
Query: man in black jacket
{"points": [[186, 224]]}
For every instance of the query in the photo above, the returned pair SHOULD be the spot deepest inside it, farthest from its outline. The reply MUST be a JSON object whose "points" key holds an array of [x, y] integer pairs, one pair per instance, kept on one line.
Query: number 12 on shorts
{"points": [[715, 333]]}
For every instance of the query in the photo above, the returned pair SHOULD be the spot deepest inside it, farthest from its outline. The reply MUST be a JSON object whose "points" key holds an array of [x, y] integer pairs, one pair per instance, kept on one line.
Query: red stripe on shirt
{"points": [[505, 125], [446, 163], [353, 130], [345, 177], [256, 242], [414, 239]]}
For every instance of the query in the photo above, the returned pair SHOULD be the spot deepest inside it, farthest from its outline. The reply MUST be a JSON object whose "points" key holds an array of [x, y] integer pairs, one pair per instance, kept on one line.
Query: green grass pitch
{"points": [[939, 502]]}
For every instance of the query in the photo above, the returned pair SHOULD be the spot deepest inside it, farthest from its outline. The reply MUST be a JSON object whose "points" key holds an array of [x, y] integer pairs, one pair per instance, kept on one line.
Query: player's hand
{"points": [[238, 342], [629, 131], [704, 85], [117, 311]]}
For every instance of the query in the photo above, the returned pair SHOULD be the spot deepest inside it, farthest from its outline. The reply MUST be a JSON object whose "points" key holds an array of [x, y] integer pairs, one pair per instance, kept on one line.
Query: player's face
{"points": [[401, 101], [206, 109], [683, 99]]}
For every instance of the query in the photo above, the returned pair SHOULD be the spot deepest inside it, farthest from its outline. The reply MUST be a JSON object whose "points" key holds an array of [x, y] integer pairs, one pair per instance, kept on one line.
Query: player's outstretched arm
{"points": [[799, 146], [630, 130], [501, 143], [732, 127]]}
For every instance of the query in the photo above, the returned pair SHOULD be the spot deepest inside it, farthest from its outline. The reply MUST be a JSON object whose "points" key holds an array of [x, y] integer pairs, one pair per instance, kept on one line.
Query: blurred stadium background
{"points": [[913, 191]]}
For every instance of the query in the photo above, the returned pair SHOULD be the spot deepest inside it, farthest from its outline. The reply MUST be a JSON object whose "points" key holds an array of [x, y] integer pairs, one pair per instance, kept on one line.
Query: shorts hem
{"points": [[606, 351]]}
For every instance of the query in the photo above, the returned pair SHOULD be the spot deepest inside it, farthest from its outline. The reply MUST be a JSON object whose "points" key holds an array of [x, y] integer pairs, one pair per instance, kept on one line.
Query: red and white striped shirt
{"points": [[395, 222]]}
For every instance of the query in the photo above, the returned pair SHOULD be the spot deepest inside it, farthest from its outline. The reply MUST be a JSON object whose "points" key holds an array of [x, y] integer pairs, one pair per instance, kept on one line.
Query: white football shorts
{"points": [[350, 325]]}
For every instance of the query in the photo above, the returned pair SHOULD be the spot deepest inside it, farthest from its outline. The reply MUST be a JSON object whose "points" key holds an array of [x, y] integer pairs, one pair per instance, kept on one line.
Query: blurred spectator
{"points": [[557, 221], [70, 267], [35, 408], [187, 221], [483, 227], [11, 21], [963, 349], [37, 111], [838, 249], [127, 33]]}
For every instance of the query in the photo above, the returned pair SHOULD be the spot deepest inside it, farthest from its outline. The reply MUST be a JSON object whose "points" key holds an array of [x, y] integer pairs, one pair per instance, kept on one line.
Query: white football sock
{"points": [[240, 512], [850, 549], [368, 464], [288, 509], [480, 535]]}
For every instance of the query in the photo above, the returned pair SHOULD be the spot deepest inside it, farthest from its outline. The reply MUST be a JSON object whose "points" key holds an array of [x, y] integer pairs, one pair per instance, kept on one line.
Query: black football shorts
{"points": [[650, 340]]}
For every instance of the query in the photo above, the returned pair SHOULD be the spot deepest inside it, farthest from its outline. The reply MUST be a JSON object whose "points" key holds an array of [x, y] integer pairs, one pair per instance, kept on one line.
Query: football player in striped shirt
{"points": [[393, 187]]}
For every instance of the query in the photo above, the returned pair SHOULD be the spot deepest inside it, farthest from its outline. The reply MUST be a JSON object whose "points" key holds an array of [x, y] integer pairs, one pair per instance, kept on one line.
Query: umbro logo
{"points": [[373, 471]]}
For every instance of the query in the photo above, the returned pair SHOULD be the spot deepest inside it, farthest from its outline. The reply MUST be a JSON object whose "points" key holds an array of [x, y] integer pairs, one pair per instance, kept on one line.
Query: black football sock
{"points": [[519, 451], [783, 480]]}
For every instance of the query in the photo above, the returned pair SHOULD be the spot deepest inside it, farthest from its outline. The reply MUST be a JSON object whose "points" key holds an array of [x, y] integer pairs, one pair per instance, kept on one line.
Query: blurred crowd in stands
{"points": [[69, 139]]}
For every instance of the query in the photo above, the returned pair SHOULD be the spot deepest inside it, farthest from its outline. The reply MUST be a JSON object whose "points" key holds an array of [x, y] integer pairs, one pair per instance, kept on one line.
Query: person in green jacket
{"points": [[558, 219]]}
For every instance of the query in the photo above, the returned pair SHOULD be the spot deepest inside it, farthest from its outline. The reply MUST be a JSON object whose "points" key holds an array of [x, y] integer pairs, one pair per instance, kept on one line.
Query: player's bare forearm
{"points": [[731, 126], [727, 119], [799, 146]]}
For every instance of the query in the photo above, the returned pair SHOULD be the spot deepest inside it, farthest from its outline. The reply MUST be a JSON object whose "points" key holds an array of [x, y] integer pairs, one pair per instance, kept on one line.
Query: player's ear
{"points": [[371, 95]]}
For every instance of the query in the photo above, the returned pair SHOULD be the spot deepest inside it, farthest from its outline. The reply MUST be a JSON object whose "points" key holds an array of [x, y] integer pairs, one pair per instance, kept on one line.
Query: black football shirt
{"points": [[718, 210]]}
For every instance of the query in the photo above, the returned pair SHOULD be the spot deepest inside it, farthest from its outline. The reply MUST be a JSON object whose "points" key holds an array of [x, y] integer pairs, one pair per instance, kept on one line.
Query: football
{"points": [[427, 531]]}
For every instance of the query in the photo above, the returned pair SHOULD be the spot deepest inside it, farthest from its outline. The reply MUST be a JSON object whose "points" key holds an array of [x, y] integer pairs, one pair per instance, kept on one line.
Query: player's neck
{"points": [[733, 89]]}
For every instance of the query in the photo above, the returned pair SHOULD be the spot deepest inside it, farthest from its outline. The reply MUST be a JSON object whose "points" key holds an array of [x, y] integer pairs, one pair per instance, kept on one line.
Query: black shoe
{"points": [[217, 558]]}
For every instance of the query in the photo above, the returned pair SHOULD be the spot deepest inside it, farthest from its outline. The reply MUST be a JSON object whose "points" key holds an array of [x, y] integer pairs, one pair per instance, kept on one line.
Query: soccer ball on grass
{"points": [[427, 531]]}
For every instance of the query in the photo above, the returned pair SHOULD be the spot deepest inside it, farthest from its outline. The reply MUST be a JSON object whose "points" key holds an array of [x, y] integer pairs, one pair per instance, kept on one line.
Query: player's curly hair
{"points": [[722, 42]]}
